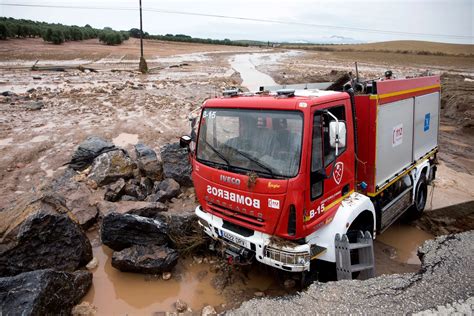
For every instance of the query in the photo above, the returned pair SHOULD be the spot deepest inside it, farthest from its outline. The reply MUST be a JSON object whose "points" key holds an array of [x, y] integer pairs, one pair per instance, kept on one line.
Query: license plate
{"points": [[232, 238]]}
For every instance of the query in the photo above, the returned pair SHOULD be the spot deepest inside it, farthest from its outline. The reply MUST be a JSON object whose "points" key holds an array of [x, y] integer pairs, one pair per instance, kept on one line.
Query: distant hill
{"points": [[404, 47]]}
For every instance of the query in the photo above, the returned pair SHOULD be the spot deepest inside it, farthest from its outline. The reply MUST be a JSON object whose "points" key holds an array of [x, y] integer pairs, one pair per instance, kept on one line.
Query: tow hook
{"points": [[238, 256]]}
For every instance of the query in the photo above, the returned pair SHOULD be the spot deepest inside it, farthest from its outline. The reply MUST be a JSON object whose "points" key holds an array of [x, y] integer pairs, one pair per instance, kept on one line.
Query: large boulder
{"points": [[41, 233], [145, 259], [141, 208], [79, 198], [119, 231], [165, 191], [148, 163], [88, 150], [176, 164], [111, 166], [43, 292]]}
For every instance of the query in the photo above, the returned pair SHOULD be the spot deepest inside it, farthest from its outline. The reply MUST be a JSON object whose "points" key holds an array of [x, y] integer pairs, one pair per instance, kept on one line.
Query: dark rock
{"points": [[135, 190], [140, 208], [88, 150], [41, 234], [145, 259], [111, 166], [8, 94], [147, 209], [176, 164], [31, 90], [114, 191], [119, 231], [148, 162], [43, 292], [35, 105], [147, 185], [79, 198], [170, 187]]}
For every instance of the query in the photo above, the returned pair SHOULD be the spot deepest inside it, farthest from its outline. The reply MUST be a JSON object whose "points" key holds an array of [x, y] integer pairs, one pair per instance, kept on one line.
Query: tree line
{"points": [[185, 38], [57, 33]]}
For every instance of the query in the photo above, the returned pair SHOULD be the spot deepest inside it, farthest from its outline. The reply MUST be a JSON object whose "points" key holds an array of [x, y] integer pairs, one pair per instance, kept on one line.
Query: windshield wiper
{"points": [[220, 155], [254, 160]]}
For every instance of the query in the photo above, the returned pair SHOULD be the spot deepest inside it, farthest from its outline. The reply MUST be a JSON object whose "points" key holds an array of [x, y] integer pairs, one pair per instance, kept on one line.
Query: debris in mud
{"points": [[34, 106], [457, 98], [41, 233], [181, 306], [150, 259], [43, 292], [448, 220], [208, 310], [84, 309]]}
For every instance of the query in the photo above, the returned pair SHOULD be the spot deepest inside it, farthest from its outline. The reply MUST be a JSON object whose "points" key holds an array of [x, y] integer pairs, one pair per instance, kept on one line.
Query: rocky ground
{"points": [[446, 263], [128, 185]]}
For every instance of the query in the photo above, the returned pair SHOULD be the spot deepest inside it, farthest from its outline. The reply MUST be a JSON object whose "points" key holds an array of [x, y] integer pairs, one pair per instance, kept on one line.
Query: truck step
{"points": [[361, 267], [359, 245], [355, 259]]}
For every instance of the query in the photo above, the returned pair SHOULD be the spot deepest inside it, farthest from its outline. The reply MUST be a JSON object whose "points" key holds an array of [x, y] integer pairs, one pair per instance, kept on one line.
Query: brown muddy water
{"points": [[118, 293]]}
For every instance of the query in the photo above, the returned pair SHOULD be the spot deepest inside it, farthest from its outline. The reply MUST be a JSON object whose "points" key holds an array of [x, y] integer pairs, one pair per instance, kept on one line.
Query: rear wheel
{"points": [[421, 195]]}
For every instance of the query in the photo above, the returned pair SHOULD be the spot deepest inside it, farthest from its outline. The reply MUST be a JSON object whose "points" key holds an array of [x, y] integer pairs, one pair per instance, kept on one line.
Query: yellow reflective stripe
{"points": [[393, 94], [404, 173]]}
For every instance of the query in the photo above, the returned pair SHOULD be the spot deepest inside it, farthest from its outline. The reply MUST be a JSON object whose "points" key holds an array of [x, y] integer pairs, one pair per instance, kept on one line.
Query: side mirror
{"points": [[184, 141], [337, 135]]}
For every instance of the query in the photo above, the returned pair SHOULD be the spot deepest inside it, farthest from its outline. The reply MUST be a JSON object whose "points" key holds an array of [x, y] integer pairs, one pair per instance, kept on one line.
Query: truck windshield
{"points": [[266, 142]]}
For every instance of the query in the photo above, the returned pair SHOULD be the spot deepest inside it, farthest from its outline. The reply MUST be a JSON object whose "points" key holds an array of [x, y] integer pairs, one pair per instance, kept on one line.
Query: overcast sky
{"points": [[453, 18]]}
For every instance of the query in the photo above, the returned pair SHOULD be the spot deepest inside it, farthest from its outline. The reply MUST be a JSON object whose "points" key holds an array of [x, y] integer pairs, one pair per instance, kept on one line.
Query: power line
{"points": [[344, 28]]}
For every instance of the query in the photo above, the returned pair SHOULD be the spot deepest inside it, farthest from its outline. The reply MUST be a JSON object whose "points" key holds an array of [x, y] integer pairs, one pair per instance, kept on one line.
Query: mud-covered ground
{"points": [[46, 114]]}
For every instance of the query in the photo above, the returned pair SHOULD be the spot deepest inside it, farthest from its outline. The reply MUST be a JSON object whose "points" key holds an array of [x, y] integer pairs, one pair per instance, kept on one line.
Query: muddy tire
{"points": [[421, 195]]}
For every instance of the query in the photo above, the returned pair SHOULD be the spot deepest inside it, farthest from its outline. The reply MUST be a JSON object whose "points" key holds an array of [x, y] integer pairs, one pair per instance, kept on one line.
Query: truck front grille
{"points": [[230, 214]]}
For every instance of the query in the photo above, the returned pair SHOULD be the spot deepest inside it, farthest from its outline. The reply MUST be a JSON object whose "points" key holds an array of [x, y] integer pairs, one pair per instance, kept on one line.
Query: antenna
{"points": [[357, 72]]}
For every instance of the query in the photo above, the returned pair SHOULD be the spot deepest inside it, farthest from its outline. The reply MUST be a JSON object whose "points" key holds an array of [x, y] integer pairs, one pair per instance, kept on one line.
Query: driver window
{"points": [[316, 158]]}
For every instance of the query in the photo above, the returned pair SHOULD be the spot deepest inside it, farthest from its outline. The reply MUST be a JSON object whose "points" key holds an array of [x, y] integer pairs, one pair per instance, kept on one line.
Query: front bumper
{"points": [[288, 258]]}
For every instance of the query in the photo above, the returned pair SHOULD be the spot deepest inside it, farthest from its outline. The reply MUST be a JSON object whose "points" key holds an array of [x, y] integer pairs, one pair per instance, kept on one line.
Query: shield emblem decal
{"points": [[338, 172]]}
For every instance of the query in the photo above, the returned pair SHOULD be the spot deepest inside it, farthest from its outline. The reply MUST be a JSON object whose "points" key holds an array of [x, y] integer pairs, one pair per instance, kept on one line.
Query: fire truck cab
{"points": [[278, 175]]}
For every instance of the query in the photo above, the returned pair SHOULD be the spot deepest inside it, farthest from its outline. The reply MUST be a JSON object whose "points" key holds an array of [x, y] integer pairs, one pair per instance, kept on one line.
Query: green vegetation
{"points": [[58, 33], [111, 37], [186, 38]]}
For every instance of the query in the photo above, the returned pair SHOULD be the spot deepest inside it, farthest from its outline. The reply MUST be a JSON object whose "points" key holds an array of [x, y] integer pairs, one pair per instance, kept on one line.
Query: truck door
{"points": [[331, 176]]}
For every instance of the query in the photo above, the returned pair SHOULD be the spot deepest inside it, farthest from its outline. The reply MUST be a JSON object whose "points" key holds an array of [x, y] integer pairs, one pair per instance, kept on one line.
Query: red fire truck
{"points": [[279, 174]]}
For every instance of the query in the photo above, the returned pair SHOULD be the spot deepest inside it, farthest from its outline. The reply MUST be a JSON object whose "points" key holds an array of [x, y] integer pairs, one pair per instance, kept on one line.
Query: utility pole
{"points": [[143, 65]]}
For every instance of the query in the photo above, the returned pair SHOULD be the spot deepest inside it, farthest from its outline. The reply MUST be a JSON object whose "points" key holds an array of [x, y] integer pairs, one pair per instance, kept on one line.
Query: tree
{"points": [[56, 36], [3, 31]]}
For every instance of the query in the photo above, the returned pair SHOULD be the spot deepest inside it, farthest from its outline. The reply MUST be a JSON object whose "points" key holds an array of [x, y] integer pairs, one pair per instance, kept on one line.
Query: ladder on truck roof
{"points": [[362, 251]]}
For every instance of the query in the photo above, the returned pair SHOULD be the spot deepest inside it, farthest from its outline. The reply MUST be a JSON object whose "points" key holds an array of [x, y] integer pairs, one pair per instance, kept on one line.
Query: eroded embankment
{"points": [[445, 277]]}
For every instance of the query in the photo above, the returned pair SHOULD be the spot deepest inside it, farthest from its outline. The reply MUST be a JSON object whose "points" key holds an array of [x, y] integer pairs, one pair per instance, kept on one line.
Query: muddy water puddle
{"points": [[119, 293], [404, 239]]}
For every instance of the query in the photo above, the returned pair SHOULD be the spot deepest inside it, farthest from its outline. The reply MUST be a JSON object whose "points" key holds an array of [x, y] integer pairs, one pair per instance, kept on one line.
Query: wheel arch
{"points": [[354, 207]]}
